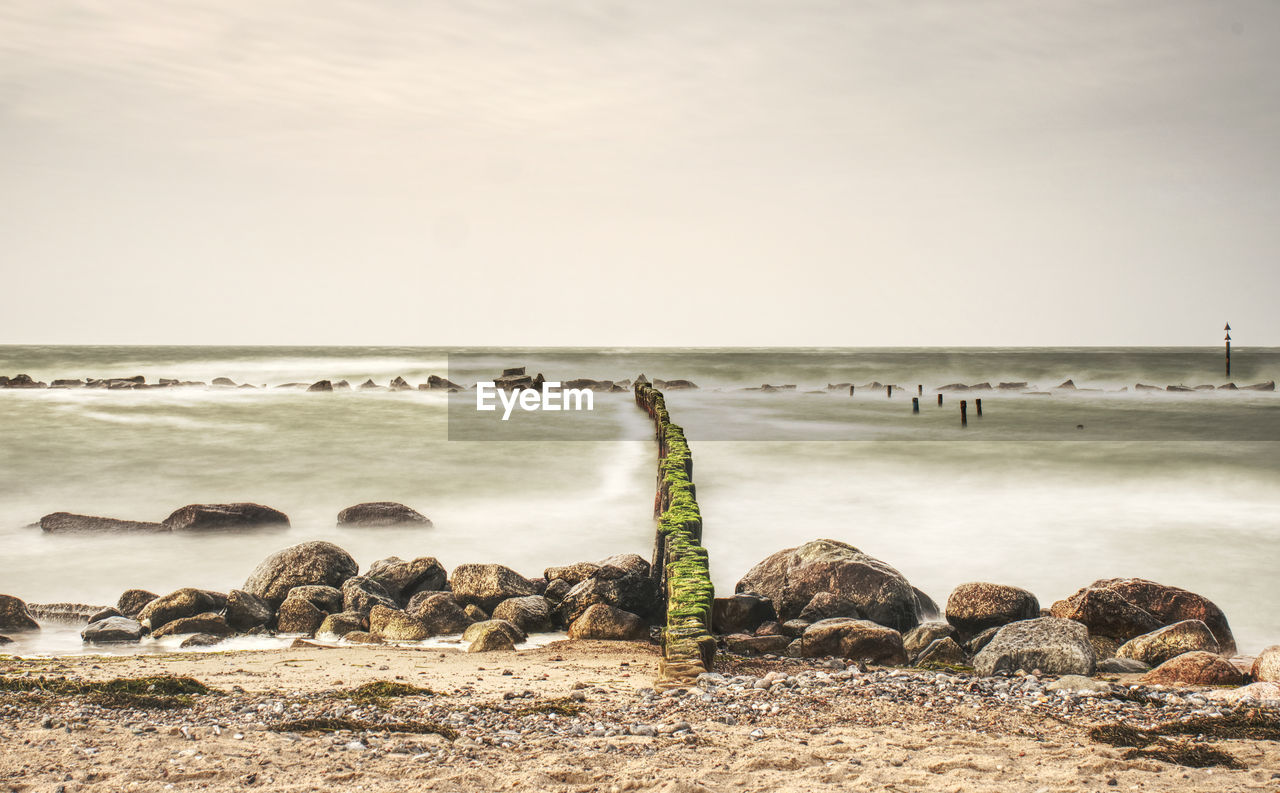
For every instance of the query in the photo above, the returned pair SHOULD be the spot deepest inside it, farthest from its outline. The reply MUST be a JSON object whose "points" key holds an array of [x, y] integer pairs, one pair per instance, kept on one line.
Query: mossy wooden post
{"points": [[915, 404], [964, 413], [977, 404], [679, 561]]}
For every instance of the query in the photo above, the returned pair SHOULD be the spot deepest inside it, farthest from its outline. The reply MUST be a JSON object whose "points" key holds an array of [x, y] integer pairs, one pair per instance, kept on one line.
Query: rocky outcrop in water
{"points": [[381, 513], [14, 615], [204, 517], [112, 630], [70, 523], [314, 562], [209, 622], [791, 578]]}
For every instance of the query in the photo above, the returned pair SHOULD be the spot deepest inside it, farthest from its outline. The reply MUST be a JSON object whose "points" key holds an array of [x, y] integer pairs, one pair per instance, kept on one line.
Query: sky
{"points": [[564, 172]]}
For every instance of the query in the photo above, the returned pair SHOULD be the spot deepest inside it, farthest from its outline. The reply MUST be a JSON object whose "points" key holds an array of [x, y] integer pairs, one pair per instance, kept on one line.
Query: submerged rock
{"points": [[608, 623], [203, 517], [792, 577], [70, 523], [1169, 642], [1054, 646], [977, 606], [313, 562], [381, 513], [201, 640], [112, 630], [487, 585]]}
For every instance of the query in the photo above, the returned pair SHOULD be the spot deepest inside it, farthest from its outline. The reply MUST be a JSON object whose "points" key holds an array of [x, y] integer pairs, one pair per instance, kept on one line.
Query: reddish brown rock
{"points": [[977, 606], [1196, 668]]}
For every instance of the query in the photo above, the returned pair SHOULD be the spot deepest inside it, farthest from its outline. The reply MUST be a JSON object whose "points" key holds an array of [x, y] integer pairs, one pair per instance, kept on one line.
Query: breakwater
{"points": [[679, 560]]}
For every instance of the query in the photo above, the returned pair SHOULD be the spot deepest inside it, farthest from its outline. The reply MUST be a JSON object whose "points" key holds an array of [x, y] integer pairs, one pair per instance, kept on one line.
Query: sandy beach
{"points": [[581, 716]]}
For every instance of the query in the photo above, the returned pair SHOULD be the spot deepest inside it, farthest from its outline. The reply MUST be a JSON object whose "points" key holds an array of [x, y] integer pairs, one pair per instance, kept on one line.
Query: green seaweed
{"points": [[119, 700], [157, 685], [358, 725], [1187, 753], [562, 706], [381, 690]]}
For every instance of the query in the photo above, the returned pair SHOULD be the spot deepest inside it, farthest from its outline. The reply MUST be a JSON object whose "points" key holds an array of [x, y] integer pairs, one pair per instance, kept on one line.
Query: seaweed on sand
{"points": [[358, 725]]}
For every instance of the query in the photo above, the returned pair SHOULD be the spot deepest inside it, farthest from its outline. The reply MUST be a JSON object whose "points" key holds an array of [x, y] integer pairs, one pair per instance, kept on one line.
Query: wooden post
{"points": [[1227, 328], [915, 404], [978, 404], [939, 400], [888, 392], [850, 390], [919, 390], [964, 413]]}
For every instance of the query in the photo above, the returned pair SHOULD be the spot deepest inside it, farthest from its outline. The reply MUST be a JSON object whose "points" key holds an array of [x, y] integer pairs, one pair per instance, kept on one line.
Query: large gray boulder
{"points": [[132, 601], [314, 562], [204, 517], [14, 615], [326, 598], [976, 606], [185, 602], [637, 594], [791, 579], [70, 523], [608, 623], [376, 514], [921, 636], [112, 630], [361, 593], [403, 580], [1052, 645], [209, 622], [529, 613], [487, 585]]}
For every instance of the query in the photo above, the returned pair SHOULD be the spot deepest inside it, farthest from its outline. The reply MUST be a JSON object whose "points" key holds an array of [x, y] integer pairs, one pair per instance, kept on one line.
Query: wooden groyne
{"points": [[679, 560]]}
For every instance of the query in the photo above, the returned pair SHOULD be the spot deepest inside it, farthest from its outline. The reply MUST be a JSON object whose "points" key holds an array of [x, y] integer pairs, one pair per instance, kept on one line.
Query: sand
{"points": [[879, 730]]}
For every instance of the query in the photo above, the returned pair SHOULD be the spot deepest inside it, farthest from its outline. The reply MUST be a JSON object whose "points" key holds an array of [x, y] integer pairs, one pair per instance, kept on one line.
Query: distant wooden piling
{"points": [[850, 390], [939, 400], [977, 403], [915, 404], [919, 390], [1227, 328], [964, 413], [888, 392]]}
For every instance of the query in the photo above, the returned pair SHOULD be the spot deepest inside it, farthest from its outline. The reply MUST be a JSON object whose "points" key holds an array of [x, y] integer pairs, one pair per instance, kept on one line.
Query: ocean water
{"points": [[1048, 491]]}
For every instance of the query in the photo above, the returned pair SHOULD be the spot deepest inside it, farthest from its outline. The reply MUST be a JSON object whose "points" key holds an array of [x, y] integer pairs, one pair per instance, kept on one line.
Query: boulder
{"points": [[437, 382], [316, 562], [744, 644], [490, 641], [487, 585], [203, 517], [636, 594], [208, 622], [529, 613], [5, 640], [606, 622], [1054, 646], [827, 605], [974, 607], [792, 577], [23, 381], [109, 611], [1169, 642], [478, 629], [942, 651], [186, 602], [299, 615], [1103, 646], [740, 613], [926, 633], [341, 624], [376, 514], [223, 381], [859, 640], [201, 640], [362, 637], [1122, 666], [1196, 668], [361, 593], [975, 645], [72, 613], [133, 601], [70, 523], [629, 563], [572, 574], [1266, 667], [399, 384], [246, 612], [321, 385], [112, 630], [394, 625], [1105, 613], [557, 589], [403, 580], [928, 610], [1170, 604], [475, 613]]}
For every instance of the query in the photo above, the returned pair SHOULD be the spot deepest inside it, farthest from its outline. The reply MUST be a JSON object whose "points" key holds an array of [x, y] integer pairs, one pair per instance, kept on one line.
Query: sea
{"points": [[1054, 484]]}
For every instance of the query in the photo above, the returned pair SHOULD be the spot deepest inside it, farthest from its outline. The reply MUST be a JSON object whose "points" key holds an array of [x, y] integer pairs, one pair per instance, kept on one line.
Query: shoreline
{"points": [[581, 716]]}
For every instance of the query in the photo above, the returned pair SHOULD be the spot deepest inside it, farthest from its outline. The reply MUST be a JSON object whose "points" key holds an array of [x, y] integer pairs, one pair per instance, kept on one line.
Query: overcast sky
{"points": [[644, 173]]}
